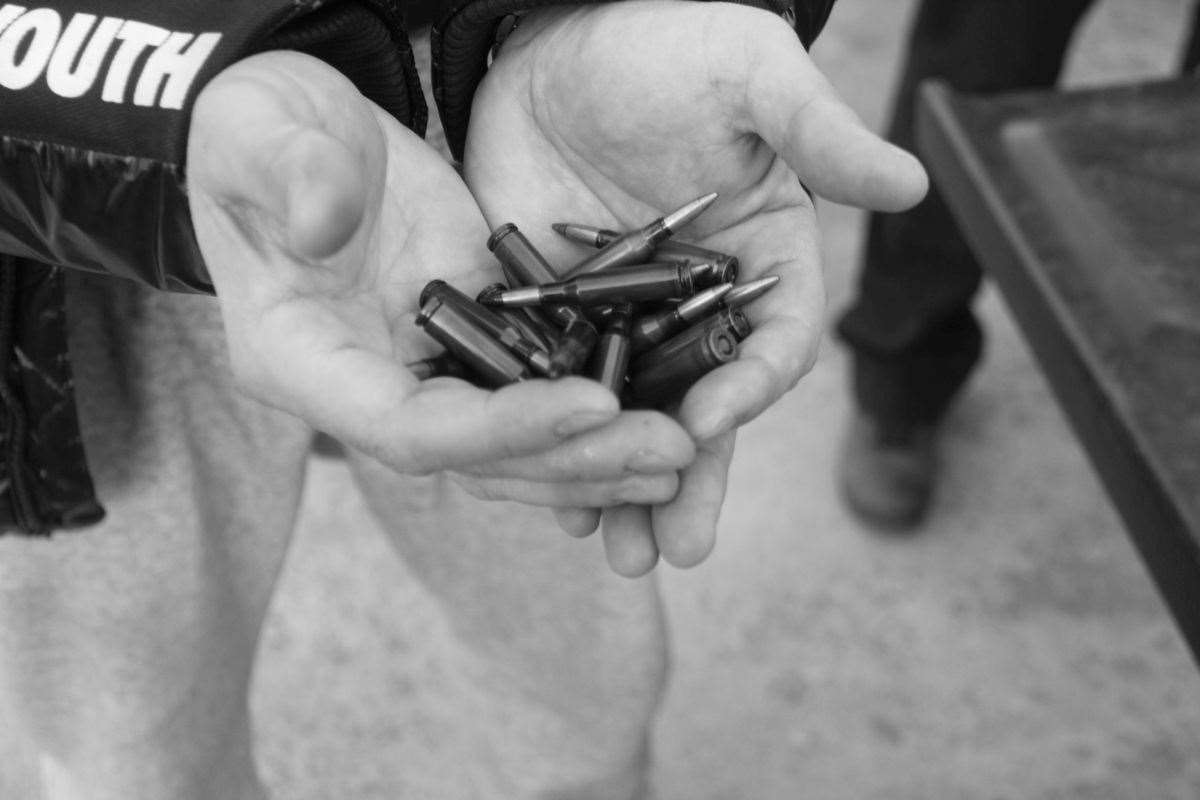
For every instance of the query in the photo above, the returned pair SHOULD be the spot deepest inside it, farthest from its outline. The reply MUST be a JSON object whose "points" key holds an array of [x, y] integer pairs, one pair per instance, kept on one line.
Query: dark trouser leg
{"points": [[914, 337], [1191, 51]]}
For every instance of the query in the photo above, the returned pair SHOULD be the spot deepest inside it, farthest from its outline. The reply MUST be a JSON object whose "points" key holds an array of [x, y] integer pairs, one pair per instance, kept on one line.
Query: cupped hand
{"points": [[321, 219], [613, 114]]}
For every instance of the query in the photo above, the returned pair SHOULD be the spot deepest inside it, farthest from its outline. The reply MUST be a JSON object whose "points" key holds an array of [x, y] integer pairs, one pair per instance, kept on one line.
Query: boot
{"points": [[888, 471]]}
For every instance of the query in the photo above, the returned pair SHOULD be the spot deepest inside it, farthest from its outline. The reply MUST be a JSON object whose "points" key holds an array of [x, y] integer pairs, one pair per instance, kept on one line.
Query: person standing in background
{"points": [[913, 337]]}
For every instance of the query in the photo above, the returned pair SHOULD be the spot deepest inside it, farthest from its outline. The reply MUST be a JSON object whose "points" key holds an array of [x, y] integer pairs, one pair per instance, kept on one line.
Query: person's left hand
{"points": [[613, 114], [321, 219]]}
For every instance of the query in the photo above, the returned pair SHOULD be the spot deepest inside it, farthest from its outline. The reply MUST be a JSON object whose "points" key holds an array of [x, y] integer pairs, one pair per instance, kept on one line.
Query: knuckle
{"points": [[773, 379], [807, 359]]}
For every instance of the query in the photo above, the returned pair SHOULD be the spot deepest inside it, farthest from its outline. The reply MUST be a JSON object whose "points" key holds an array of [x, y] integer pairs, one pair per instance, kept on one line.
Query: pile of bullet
{"points": [[645, 315]]}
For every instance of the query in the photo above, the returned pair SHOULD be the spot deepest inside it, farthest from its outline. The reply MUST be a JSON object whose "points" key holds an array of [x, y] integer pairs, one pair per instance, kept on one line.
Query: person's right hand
{"points": [[614, 113], [321, 218]]}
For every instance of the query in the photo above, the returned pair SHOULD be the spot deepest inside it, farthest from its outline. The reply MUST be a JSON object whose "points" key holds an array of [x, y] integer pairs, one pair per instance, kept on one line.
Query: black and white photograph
{"points": [[622, 400]]}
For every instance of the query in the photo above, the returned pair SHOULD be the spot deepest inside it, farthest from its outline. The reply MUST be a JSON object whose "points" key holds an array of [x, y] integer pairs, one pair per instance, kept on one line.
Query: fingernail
{"points": [[648, 461], [580, 422]]}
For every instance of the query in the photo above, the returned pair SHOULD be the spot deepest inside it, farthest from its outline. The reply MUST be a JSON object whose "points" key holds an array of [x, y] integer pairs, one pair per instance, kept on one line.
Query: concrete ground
{"points": [[1014, 649]]}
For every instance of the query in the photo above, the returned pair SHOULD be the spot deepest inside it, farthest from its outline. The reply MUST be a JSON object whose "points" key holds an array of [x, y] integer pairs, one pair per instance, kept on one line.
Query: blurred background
{"points": [[1014, 648]]}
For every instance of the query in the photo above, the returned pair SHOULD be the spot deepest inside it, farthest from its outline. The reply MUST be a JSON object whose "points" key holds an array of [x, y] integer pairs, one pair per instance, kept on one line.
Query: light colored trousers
{"points": [[126, 649]]}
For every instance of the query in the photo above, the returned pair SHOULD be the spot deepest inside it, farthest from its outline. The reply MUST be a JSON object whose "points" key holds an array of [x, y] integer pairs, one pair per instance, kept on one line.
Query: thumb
{"points": [[795, 110], [256, 146], [323, 190]]}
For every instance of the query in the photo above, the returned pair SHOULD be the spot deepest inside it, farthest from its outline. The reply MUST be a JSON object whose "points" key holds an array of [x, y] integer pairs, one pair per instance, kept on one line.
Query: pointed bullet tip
{"points": [[688, 212], [559, 227], [748, 292], [702, 203]]}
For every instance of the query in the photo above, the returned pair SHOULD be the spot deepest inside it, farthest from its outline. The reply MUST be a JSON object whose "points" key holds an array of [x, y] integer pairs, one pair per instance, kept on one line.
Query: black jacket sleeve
{"points": [[96, 98], [463, 39]]}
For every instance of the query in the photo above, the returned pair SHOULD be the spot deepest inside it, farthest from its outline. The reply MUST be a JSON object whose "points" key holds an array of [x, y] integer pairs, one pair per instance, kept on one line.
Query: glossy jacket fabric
{"points": [[95, 98], [96, 115]]}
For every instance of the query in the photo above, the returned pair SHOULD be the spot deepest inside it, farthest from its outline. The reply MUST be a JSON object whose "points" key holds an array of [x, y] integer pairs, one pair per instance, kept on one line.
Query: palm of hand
{"points": [[321, 220], [612, 115], [354, 265]]}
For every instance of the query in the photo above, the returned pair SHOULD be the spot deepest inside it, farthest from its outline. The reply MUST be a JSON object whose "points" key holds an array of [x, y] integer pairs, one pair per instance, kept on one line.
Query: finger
{"points": [[578, 522], [636, 442], [255, 144], [371, 402], [788, 324], [629, 540], [685, 529], [464, 425], [325, 194], [642, 489], [797, 112], [737, 392]]}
